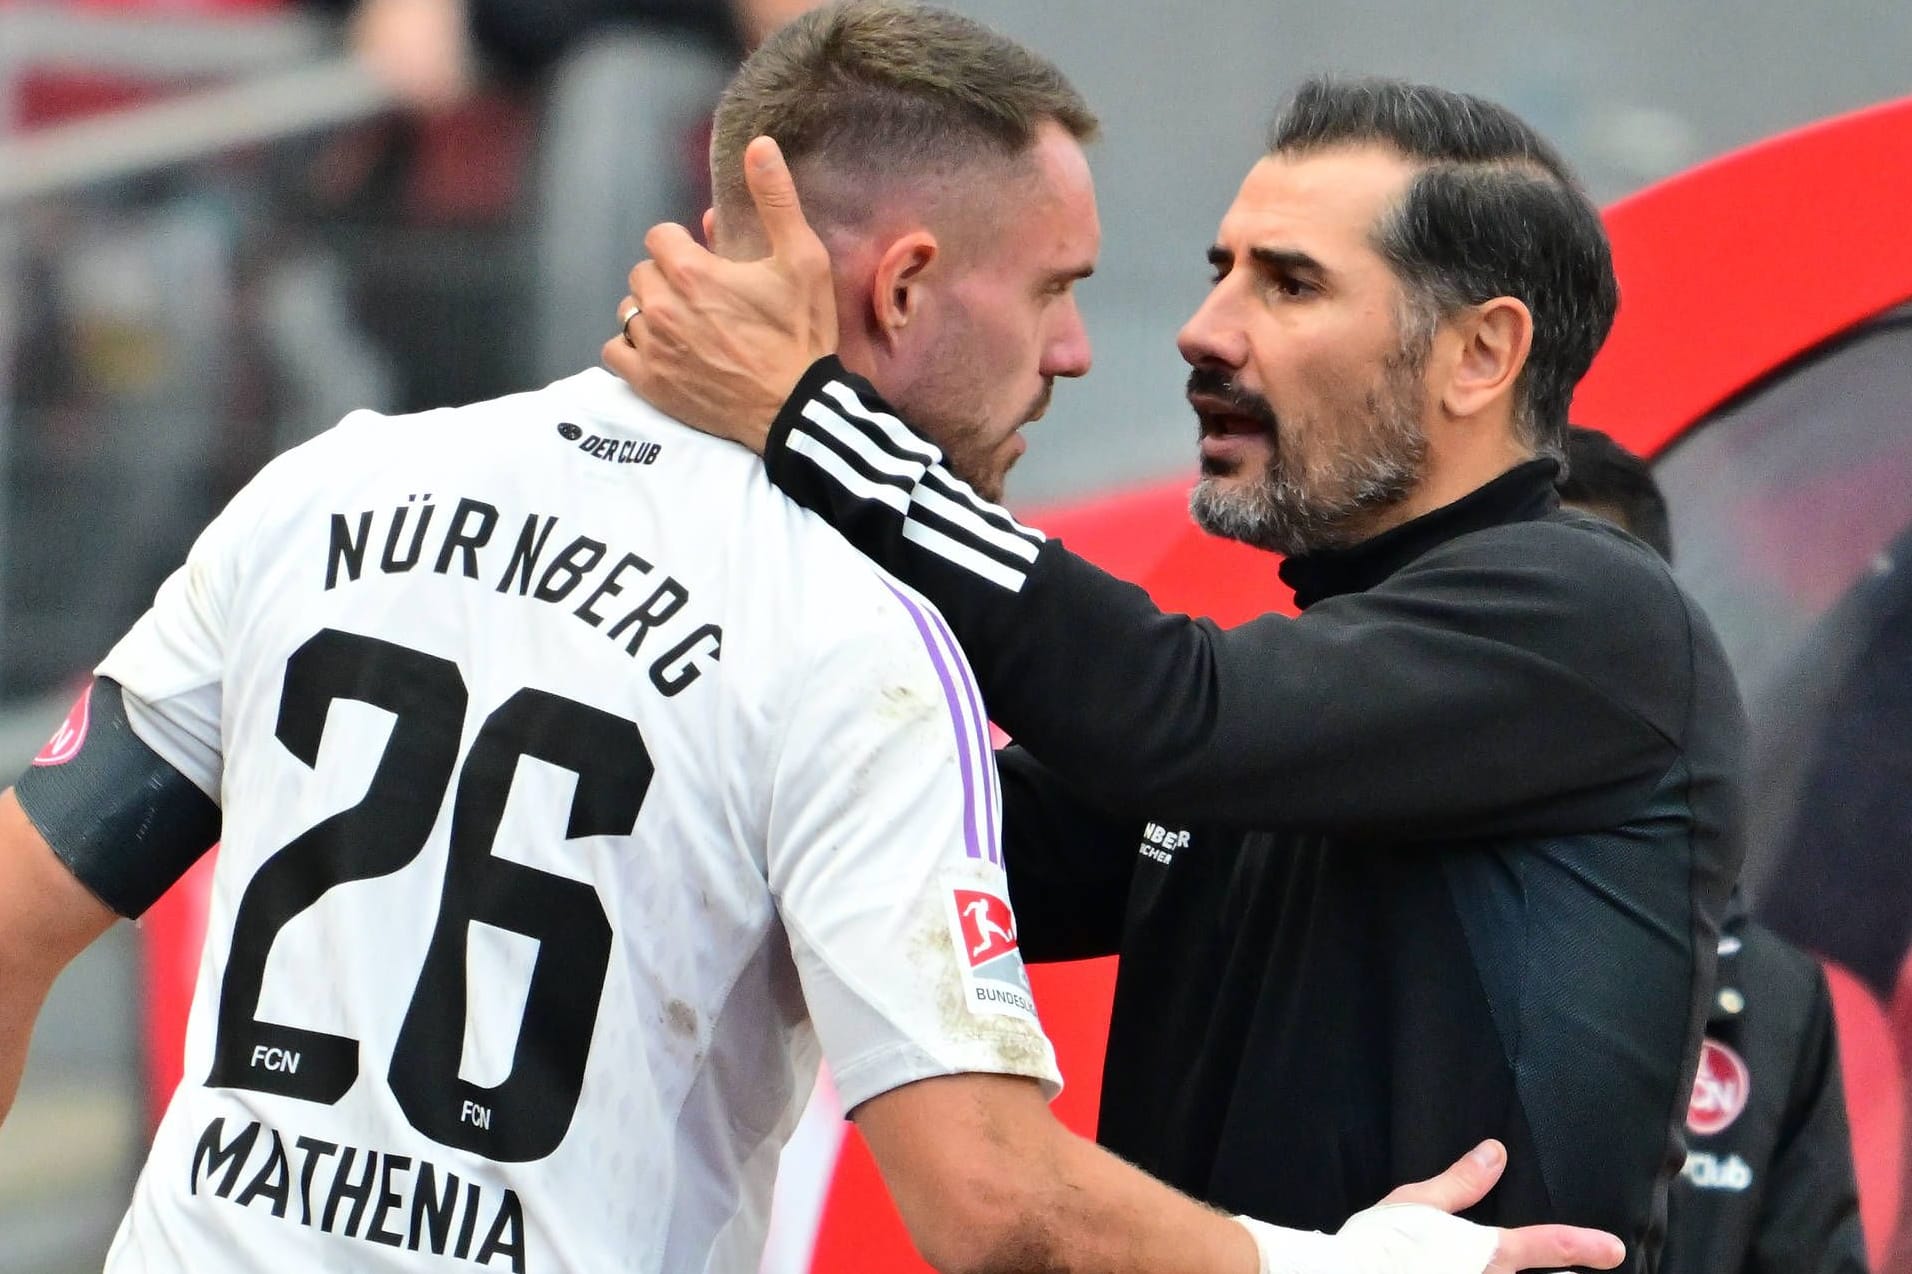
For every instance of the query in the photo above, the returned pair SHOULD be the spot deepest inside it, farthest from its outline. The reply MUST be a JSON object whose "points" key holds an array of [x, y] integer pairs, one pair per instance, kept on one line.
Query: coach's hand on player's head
{"points": [[1467, 1181], [720, 344]]}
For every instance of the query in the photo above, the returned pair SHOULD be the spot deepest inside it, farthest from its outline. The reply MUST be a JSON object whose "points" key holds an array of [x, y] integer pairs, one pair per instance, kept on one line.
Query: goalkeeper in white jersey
{"points": [[576, 793]]}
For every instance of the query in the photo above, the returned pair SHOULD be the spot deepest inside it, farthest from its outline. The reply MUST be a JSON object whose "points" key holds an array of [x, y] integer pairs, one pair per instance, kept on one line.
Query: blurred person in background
{"points": [[1449, 851], [433, 53], [1768, 1186], [623, 91], [1841, 880]]}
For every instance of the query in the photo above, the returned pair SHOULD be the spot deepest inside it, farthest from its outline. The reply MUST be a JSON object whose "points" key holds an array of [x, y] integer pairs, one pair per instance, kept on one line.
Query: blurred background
{"points": [[225, 223]]}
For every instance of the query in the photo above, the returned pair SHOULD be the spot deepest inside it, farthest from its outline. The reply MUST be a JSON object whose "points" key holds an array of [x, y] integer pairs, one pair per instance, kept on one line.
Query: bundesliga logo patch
{"points": [[1720, 1090], [66, 741], [994, 981]]}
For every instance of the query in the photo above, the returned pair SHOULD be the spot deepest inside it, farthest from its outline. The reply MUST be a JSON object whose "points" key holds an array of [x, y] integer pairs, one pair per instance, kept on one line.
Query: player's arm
{"points": [[1808, 1221], [122, 802], [46, 918], [988, 1182], [1473, 661], [98, 827]]}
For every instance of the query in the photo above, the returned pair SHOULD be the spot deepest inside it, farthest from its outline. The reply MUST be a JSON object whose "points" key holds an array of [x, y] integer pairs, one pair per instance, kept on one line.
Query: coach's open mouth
{"points": [[1221, 417], [1226, 428]]}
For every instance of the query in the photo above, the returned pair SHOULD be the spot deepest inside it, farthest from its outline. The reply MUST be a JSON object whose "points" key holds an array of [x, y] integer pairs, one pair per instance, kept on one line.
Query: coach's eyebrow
{"points": [[1287, 261], [1281, 262]]}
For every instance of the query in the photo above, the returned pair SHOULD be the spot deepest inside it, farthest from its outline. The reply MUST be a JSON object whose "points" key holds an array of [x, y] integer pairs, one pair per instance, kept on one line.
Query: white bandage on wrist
{"points": [[1292, 1251], [1392, 1238]]}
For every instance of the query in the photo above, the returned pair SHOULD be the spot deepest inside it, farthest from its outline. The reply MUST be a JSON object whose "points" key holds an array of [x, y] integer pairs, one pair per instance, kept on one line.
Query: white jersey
{"points": [[575, 786]]}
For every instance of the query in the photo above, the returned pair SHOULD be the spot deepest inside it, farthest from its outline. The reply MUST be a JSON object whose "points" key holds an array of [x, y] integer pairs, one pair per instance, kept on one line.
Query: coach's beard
{"points": [[1369, 464]]}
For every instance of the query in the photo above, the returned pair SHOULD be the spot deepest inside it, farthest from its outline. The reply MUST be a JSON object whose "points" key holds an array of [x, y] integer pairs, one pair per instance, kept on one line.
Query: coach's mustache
{"points": [[1208, 382]]}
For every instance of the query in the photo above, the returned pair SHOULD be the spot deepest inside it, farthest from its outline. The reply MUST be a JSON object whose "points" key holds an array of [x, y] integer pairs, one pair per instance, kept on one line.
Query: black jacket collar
{"points": [[1522, 494]]}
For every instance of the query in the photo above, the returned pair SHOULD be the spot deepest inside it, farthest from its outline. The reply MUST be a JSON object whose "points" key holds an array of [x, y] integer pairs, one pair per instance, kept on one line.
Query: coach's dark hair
{"points": [[1493, 211], [1606, 478], [868, 90]]}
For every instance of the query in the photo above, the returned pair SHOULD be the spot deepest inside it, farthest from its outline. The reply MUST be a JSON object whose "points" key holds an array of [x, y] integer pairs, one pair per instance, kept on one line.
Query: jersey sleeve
{"points": [[1473, 663], [885, 860], [171, 663]]}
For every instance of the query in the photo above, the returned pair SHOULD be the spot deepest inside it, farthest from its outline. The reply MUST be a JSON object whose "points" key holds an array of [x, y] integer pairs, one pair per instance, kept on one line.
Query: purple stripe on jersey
{"points": [[980, 724], [955, 719]]}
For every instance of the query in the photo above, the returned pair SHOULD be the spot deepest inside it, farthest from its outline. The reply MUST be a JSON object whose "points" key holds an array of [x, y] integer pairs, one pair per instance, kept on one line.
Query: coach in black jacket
{"points": [[1445, 856]]}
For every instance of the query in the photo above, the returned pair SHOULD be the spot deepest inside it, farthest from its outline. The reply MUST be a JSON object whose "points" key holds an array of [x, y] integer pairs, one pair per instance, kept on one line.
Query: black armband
{"points": [[123, 820]]}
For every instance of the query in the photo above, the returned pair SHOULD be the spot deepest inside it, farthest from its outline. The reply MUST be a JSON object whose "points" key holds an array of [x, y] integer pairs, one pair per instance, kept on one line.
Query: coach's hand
{"points": [[720, 344], [1467, 1183]]}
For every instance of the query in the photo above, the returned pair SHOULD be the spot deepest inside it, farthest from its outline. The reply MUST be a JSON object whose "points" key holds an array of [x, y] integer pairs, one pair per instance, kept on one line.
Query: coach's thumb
{"points": [[1465, 1183], [774, 192]]}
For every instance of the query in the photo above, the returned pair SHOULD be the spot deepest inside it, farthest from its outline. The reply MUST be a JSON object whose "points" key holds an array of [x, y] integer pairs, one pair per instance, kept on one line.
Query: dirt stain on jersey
{"points": [[933, 952], [902, 703], [1022, 1048], [682, 1018]]}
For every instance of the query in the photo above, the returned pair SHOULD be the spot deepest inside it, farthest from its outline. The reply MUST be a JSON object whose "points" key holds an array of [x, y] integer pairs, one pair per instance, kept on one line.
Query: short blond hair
{"points": [[870, 92]]}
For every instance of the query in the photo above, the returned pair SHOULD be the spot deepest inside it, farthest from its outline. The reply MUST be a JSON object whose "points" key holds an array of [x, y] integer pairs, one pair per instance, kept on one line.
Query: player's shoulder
{"points": [[607, 453], [842, 600], [832, 608], [585, 413], [585, 441]]}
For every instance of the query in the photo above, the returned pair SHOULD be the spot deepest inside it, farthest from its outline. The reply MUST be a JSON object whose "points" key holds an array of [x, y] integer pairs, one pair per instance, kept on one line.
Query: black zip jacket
{"points": [[1769, 1185], [1443, 858]]}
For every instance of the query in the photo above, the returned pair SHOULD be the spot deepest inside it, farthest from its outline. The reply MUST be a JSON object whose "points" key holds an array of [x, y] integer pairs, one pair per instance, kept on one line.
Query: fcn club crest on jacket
{"points": [[984, 929], [1720, 1090]]}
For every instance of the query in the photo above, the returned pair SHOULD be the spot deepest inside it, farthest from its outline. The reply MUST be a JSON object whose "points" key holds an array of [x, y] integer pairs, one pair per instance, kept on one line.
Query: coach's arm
{"points": [[1069, 864], [46, 918], [1475, 660], [988, 1182]]}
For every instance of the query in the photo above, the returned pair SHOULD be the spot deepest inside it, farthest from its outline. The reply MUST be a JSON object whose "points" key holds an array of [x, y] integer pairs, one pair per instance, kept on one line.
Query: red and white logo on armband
{"points": [[66, 741], [1720, 1090], [984, 929]]}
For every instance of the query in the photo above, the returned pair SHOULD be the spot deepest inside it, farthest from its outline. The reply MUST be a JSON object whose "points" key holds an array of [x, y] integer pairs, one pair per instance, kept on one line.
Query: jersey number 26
{"points": [[530, 1110]]}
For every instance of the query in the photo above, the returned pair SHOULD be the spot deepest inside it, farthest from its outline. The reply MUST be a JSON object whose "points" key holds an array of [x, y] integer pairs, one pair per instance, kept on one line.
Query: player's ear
{"points": [[897, 288], [709, 224]]}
